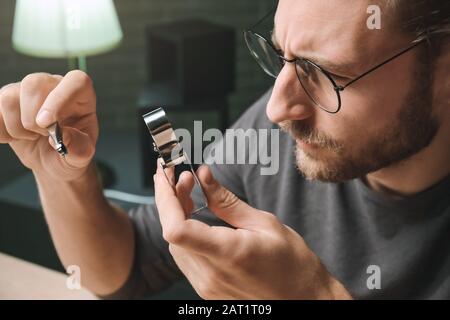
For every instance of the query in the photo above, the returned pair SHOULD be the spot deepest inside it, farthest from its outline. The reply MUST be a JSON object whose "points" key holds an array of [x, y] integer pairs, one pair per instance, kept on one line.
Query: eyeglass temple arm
{"points": [[340, 88]]}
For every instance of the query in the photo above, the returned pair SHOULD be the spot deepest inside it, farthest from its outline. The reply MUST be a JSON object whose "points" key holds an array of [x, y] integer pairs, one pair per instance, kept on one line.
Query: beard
{"points": [[410, 131]]}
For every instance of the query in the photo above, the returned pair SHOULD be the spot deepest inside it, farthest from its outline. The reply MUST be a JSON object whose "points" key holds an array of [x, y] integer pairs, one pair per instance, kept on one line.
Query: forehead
{"points": [[334, 30]]}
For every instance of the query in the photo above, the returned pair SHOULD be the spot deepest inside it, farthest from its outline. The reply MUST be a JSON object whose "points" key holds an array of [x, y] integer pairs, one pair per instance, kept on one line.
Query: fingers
{"points": [[19, 105], [4, 135], [228, 206], [183, 189], [10, 110], [79, 145], [169, 172], [187, 233], [75, 90], [33, 92]]}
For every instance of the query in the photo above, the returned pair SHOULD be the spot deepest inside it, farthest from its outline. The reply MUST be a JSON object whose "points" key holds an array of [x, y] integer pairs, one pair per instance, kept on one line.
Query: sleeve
{"points": [[154, 268]]}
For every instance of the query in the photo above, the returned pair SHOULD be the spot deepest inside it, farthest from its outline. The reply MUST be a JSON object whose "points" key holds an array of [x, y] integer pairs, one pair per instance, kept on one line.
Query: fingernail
{"points": [[209, 179], [44, 118]]}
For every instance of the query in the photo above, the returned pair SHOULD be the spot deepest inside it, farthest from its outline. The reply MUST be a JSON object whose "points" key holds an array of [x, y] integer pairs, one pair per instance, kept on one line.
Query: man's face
{"points": [[385, 117]]}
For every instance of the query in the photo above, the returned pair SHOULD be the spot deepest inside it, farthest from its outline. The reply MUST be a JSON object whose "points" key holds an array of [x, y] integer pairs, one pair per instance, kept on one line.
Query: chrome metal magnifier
{"points": [[169, 149]]}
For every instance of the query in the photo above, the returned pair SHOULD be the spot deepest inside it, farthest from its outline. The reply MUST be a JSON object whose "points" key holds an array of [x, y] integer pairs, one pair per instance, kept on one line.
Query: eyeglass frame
{"points": [[337, 88]]}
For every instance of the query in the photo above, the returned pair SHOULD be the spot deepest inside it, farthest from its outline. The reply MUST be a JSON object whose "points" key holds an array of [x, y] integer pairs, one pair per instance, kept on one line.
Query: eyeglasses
{"points": [[318, 83]]}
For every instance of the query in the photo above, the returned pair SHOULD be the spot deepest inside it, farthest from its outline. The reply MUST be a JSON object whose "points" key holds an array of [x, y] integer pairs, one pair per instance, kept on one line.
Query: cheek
{"points": [[358, 123], [379, 96], [368, 106]]}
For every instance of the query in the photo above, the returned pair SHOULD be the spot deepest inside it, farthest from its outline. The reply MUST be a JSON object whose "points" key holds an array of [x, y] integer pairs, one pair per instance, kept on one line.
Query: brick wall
{"points": [[118, 75]]}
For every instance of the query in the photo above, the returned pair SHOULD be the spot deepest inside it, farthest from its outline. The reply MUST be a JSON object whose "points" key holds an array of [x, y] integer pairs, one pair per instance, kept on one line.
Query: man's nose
{"points": [[288, 101]]}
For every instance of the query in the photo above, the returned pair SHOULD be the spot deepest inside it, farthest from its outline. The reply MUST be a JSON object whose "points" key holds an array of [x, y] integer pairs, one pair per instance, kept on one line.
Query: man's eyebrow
{"points": [[344, 68]]}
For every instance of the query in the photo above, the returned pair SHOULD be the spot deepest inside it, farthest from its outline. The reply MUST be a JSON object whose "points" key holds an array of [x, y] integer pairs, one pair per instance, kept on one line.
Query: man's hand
{"points": [[29, 107], [260, 259]]}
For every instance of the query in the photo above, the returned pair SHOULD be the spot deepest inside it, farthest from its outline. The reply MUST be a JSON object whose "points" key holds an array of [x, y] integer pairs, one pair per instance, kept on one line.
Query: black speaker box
{"points": [[194, 57]]}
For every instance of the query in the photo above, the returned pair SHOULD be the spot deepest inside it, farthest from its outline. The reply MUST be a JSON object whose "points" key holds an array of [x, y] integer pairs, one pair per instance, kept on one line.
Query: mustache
{"points": [[302, 131]]}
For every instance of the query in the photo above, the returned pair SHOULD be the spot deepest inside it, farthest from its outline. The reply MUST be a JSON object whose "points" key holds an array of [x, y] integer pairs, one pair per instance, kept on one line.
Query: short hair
{"points": [[423, 18]]}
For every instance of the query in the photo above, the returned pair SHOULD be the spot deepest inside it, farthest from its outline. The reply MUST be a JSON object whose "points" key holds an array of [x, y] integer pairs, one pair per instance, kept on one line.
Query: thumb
{"points": [[80, 147], [226, 205]]}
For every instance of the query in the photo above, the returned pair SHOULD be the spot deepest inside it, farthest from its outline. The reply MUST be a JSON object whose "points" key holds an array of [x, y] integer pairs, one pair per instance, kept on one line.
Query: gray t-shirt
{"points": [[355, 231]]}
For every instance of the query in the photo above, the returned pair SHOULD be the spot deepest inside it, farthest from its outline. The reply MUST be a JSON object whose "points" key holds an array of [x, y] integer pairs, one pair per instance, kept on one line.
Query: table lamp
{"points": [[70, 29]]}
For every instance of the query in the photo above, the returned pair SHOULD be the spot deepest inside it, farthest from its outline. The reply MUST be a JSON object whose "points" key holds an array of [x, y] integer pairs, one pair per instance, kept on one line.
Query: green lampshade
{"points": [[65, 28]]}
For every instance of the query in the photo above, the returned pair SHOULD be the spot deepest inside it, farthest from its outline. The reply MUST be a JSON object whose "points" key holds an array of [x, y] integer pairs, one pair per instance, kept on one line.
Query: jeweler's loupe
{"points": [[172, 154]]}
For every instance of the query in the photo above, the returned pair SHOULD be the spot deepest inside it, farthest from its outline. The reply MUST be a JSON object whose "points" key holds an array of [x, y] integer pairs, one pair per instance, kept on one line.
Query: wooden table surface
{"points": [[20, 279]]}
